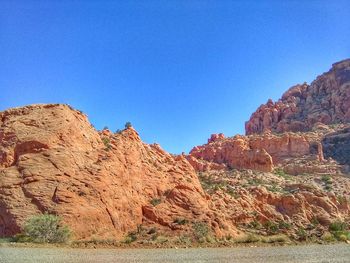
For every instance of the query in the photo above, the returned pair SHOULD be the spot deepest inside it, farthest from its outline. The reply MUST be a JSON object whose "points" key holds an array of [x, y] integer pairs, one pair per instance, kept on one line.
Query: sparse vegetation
{"points": [[275, 239], [337, 226], [107, 142], [249, 238], [131, 237], [181, 221], [200, 231], [284, 225], [255, 224], [212, 185], [271, 227], [327, 180], [342, 199], [45, 228], [301, 233], [128, 125], [156, 201], [339, 230], [184, 240]]}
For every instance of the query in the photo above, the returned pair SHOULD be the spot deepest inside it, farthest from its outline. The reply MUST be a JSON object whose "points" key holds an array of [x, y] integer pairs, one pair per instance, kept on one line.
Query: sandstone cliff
{"points": [[287, 174], [102, 184], [326, 100]]}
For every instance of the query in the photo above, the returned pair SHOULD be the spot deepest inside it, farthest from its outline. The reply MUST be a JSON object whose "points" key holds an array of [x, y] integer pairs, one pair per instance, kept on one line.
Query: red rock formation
{"points": [[326, 100], [257, 152], [233, 153], [102, 184]]}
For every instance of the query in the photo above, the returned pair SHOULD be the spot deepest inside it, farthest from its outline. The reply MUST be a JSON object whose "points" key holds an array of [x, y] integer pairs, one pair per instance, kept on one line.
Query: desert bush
{"points": [[152, 230], [181, 221], [255, 224], [275, 239], [284, 225], [301, 233], [184, 240], [249, 238], [328, 237], [131, 237], [107, 142], [200, 231], [271, 227], [128, 125], [155, 201], [339, 230], [161, 239], [46, 228], [337, 226]]}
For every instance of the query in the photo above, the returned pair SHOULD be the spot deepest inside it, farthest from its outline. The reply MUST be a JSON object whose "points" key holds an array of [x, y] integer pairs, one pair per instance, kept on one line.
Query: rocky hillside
{"points": [[102, 184], [288, 176], [307, 130], [326, 100], [107, 185]]}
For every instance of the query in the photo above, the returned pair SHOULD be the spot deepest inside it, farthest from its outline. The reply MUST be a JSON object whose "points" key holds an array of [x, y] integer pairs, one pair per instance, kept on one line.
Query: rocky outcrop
{"points": [[102, 184], [257, 152], [326, 100], [106, 184], [231, 153], [265, 202]]}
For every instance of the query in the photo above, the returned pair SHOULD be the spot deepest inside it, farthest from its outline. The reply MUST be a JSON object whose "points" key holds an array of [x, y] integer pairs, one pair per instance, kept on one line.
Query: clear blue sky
{"points": [[178, 70]]}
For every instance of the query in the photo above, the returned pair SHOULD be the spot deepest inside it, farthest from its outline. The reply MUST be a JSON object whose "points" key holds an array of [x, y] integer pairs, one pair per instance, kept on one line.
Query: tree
{"points": [[128, 125]]}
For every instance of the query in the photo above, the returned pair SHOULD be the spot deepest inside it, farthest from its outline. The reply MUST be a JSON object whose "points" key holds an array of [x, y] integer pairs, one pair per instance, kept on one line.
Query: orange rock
{"points": [[102, 184], [326, 100]]}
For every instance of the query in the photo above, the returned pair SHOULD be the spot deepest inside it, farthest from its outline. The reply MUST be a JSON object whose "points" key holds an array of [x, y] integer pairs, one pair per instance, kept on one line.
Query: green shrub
{"points": [[328, 237], [156, 201], [184, 240], [301, 233], [271, 227], [200, 231], [181, 221], [131, 237], [280, 172], [275, 239], [255, 224], [337, 226], [46, 228], [339, 230], [128, 125], [107, 142], [284, 225]]}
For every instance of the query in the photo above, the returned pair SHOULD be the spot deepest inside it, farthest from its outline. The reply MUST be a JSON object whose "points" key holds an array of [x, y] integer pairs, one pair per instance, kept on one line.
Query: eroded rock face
{"points": [[326, 100], [102, 184], [254, 200], [257, 152]]}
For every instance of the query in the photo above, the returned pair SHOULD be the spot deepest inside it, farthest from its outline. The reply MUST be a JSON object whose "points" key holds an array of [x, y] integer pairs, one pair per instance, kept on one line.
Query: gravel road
{"points": [[301, 254]]}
